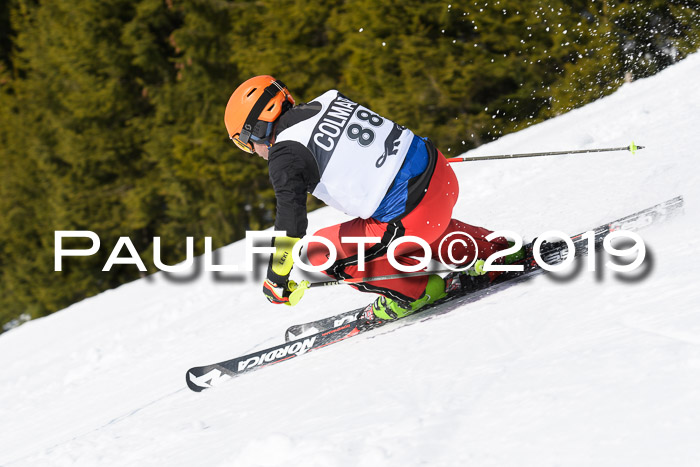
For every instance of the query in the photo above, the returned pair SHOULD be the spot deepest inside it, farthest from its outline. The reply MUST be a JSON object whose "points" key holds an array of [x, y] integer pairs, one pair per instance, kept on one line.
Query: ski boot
{"points": [[467, 281], [550, 252], [387, 309], [476, 277]]}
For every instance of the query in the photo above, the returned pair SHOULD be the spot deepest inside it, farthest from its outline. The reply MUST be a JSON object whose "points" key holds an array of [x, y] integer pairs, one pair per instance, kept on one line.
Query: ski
{"points": [[321, 333], [200, 378], [632, 222], [298, 330]]}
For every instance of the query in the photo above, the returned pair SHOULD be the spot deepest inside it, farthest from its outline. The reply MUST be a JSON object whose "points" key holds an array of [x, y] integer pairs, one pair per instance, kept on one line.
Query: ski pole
{"points": [[631, 148], [358, 280], [301, 287]]}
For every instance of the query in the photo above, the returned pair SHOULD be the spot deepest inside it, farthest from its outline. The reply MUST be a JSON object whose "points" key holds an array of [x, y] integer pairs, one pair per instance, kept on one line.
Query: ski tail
{"points": [[204, 377]]}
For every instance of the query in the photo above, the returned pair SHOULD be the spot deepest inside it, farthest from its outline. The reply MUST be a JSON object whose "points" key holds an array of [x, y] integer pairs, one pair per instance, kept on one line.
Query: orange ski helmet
{"points": [[253, 108]]}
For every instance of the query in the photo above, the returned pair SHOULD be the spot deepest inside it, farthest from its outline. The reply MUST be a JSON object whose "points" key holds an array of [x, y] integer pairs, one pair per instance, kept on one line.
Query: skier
{"points": [[395, 183]]}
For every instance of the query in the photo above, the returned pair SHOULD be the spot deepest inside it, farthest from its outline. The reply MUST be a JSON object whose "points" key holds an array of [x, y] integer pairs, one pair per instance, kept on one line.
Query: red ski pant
{"points": [[430, 220]]}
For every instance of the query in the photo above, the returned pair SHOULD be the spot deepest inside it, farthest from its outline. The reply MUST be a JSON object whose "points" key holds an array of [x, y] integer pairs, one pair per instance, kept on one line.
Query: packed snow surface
{"points": [[593, 369]]}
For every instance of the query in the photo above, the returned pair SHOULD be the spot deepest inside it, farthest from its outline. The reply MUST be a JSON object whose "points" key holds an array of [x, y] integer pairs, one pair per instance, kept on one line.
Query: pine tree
{"points": [[625, 40], [80, 163], [111, 112]]}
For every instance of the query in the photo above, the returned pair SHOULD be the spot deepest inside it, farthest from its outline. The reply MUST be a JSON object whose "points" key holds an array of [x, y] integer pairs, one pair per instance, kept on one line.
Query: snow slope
{"points": [[593, 370]]}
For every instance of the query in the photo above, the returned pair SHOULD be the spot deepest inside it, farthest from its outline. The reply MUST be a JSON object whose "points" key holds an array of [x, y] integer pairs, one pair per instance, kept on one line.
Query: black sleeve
{"points": [[293, 173]]}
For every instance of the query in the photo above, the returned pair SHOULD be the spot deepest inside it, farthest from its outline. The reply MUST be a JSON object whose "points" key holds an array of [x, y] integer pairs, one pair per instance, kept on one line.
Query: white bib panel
{"points": [[357, 151]]}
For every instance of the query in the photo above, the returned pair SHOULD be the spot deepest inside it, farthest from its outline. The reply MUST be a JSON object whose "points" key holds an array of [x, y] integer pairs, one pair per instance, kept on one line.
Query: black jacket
{"points": [[293, 173]]}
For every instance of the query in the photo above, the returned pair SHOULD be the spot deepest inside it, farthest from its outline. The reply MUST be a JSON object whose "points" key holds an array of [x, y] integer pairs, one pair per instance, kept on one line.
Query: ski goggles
{"points": [[243, 145], [245, 139]]}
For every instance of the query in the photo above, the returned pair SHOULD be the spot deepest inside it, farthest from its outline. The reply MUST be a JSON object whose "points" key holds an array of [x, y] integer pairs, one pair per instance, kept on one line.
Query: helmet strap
{"points": [[251, 121]]}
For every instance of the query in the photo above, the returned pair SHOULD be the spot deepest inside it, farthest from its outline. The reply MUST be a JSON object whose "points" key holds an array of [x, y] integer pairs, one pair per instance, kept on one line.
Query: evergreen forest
{"points": [[111, 111]]}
